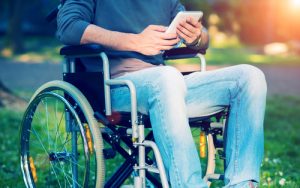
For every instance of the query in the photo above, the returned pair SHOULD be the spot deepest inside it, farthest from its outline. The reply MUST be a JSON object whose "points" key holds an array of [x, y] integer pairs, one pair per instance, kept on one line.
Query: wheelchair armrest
{"points": [[182, 53], [96, 49], [82, 50], [78, 51]]}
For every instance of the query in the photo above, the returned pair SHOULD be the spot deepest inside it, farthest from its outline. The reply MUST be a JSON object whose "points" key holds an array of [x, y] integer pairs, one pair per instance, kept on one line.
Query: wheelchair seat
{"points": [[91, 85], [123, 119]]}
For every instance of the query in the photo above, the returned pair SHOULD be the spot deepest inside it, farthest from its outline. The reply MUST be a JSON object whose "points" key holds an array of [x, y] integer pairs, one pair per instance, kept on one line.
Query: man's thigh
{"points": [[210, 92], [207, 92], [157, 82]]}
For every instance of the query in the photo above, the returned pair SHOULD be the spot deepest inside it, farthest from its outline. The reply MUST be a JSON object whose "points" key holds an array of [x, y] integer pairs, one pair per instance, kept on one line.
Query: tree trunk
{"points": [[14, 31]]}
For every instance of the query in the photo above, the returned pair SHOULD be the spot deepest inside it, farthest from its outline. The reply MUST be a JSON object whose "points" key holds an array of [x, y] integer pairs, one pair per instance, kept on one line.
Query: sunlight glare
{"points": [[296, 3]]}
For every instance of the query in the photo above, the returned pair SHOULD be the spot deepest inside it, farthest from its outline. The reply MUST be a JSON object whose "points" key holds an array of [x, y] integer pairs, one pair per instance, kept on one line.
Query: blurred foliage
{"points": [[14, 29], [195, 5], [254, 21], [230, 22], [42, 49], [269, 20], [19, 18], [229, 55], [39, 49]]}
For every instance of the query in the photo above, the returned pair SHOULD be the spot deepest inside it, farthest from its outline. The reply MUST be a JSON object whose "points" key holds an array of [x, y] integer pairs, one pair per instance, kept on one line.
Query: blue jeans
{"points": [[170, 98]]}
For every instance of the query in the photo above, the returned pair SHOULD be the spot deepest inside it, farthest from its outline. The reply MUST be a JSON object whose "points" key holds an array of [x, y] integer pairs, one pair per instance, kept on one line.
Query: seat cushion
{"points": [[124, 119]]}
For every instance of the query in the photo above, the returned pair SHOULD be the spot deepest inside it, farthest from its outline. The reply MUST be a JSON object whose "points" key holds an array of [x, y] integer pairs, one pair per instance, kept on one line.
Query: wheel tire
{"points": [[68, 95]]}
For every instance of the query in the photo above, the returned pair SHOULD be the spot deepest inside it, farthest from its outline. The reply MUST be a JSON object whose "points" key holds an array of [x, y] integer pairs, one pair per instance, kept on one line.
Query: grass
{"points": [[282, 127], [10, 173], [280, 166], [234, 55]]}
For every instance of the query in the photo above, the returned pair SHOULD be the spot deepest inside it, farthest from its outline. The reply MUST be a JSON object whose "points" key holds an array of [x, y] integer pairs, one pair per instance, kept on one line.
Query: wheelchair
{"points": [[70, 137]]}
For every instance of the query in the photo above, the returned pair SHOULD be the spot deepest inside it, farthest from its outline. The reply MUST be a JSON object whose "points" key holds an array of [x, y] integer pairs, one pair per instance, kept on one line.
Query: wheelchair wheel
{"points": [[60, 140]]}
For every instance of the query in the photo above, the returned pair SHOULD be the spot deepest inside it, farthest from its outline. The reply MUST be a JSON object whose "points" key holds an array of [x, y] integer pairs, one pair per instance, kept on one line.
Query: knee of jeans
{"points": [[254, 79], [170, 80]]}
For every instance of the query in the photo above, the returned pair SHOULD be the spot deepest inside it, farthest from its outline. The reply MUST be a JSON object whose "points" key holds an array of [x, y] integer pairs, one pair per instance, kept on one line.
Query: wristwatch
{"points": [[196, 43]]}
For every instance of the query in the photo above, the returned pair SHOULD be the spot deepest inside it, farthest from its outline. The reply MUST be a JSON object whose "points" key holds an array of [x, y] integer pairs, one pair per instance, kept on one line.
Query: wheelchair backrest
{"points": [[89, 82]]}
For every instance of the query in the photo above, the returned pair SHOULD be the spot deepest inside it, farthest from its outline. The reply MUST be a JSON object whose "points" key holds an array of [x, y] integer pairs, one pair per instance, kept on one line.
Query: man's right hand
{"points": [[153, 40]]}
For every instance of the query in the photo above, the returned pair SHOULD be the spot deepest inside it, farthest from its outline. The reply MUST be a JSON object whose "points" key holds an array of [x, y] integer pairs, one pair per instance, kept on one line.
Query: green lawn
{"points": [[10, 172], [237, 55], [282, 151]]}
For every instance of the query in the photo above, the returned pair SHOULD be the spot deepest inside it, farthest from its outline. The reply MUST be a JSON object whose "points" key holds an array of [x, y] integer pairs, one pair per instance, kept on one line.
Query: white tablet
{"points": [[183, 16]]}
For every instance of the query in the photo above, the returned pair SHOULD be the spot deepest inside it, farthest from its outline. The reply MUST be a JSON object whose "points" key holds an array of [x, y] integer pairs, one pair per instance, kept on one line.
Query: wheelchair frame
{"points": [[137, 131], [138, 136]]}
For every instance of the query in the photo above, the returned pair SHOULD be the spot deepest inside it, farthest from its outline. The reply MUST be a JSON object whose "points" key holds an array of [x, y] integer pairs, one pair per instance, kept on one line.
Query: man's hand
{"points": [[190, 30], [153, 40]]}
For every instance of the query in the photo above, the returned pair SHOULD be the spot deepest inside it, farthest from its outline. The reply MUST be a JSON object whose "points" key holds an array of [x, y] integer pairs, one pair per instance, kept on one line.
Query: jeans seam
{"points": [[156, 89], [237, 127]]}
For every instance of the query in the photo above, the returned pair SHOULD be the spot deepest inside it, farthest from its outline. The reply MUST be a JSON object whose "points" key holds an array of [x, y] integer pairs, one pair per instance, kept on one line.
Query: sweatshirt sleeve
{"points": [[72, 19], [176, 7]]}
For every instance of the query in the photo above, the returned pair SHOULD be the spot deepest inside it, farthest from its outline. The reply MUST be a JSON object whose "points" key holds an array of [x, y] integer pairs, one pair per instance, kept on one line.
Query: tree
{"points": [[14, 32]]}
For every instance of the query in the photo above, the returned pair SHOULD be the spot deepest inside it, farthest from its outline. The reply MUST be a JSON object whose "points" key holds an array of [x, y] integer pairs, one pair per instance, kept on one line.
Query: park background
{"points": [[265, 33]]}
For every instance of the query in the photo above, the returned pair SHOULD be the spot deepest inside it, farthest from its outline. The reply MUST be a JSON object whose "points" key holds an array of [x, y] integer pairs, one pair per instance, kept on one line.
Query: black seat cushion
{"points": [[124, 119]]}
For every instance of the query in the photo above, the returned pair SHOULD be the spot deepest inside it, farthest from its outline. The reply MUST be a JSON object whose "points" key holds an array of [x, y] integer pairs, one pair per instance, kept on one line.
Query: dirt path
{"points": [[28, 77]]}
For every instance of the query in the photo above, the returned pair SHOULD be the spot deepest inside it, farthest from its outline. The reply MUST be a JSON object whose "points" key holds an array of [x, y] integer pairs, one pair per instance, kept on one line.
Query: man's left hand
{"points": [[189, 30]]}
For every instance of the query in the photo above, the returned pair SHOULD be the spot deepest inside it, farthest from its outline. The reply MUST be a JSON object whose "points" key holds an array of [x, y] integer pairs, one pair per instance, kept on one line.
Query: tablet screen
{"points": [[183, 16]]}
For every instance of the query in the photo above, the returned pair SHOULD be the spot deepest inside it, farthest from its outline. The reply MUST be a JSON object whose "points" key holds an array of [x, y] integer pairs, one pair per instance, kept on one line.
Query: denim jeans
{"points": [[170, 98]]}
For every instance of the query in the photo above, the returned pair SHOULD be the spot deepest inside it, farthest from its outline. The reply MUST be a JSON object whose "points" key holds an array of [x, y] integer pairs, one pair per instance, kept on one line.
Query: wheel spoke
{"points": [[47, 122], [55, 173], [46, 152], [71, 178], [63, 171], [48, 140]]}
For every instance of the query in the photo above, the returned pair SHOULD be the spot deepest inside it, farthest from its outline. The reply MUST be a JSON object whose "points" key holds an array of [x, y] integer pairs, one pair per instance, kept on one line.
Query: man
{"points": [[162, 92]]}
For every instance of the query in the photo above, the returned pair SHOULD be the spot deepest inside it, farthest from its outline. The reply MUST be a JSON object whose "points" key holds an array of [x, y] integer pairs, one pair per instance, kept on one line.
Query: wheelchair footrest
{"points": [[153, 169], [210, 177], [149, 168]]}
